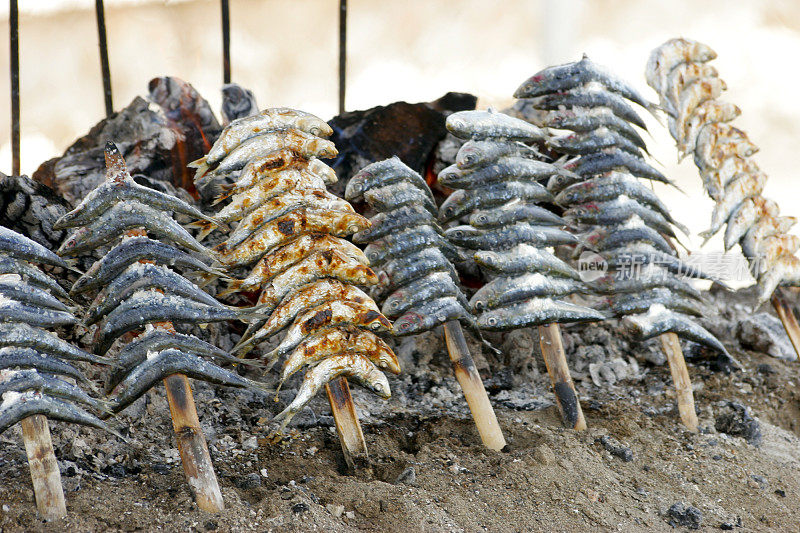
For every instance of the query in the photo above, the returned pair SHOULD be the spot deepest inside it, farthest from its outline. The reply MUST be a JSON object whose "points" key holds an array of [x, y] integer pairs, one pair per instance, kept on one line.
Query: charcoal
{"points": [[31, 208]]}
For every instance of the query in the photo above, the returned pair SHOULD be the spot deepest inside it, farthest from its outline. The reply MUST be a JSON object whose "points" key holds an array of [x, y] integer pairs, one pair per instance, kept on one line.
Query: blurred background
{"points": [[415, 50]]}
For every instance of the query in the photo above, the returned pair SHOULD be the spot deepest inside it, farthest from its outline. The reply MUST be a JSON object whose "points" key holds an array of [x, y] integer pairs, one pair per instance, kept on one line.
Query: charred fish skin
{"points": [[157, 340], [491, 124], [617, 212], [429, 287], [536, 312], [328, 315], [508, 237], [660, 320], [337, 341], [19, 357], [25, 336], [504, 169], [148, 307], [433, 313], [608, 188], [142, 276], [14, 311], [18, 290], [480, 153], [398, 195], [464, 202], [354, 366], [503, 291], [407, 242], [18, 246], [582, 97], [392, 221], [671, 54], [133, 249], [280, 259], [245, 128], [512, 212], [30, 379], [16, 407], [124, 216], [159, 365], [524, 258], [593, 141], [564, 77], [31, 274], [381, 174], [587, 120], [123, 190]]}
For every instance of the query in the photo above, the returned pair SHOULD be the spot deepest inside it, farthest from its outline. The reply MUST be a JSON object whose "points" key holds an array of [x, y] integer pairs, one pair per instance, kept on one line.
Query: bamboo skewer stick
{"points": [[564, 389], [192, 446], [472, 387], [788, 318], [45, 474], [680, 377], [351, 437]]}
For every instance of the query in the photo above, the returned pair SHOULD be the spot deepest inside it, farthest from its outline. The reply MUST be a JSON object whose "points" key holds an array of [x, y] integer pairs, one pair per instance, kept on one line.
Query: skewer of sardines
{"points": [[498, 175], [292, 230], [38, 380], [623, 224], [418, 283], [689, 89], [137, 290]]}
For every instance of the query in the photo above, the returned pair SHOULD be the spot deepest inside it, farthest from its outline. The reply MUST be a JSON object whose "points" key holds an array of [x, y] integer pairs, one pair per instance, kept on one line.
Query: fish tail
{"points": [[234, 286], [104, 406], [227, 190], [198, 163], [205, 227], [682, 227], [706, 235]]}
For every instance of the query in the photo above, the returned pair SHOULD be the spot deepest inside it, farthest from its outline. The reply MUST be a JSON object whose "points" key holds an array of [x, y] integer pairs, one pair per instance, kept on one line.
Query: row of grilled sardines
{"points": [[498, 175], [138, 289], [689, 89], [621, 221], [293, 230], [418, 285], [35, 377]]}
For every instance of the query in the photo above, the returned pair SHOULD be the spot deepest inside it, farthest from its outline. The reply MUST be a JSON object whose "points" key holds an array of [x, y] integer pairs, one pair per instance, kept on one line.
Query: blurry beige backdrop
{"points": [[414, 50]]}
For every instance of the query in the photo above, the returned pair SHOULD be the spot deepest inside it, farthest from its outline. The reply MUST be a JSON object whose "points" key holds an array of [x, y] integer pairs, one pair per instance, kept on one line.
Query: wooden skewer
{"points": [[354, 447], [45, 474], [788, 318], [564, 389], [472, 387], [192, 446], [680, 377]]}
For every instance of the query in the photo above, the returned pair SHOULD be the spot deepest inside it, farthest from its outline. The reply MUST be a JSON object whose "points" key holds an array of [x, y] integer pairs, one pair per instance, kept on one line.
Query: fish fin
{"points": [[202, 169], [205, 228], [221, 197], [706, 235], [234, 286], [197, 163]]}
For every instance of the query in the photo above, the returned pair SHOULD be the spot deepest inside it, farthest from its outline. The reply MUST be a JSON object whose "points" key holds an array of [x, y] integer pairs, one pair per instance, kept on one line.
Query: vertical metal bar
{"points": [[226, 41], [13, 24], [342, 52], [106, 70]]}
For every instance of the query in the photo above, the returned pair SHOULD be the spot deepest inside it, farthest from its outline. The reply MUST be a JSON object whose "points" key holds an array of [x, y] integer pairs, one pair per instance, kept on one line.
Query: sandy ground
{"points": [[430, 472]]}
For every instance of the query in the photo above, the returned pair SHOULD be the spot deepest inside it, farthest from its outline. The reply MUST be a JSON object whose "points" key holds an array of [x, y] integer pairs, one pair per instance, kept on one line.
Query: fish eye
{"points": [[458, 233], [394, 304], [469, 159], [352, 228], [479, 305], [405, 325], [491, 321], [482, 218], [375, 325]]}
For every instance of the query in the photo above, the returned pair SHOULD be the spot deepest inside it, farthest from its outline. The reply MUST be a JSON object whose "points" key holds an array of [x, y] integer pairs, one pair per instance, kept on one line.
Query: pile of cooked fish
{"points": [[137, 289], [35, 377], [689, 89], [417, 282], [497, 176], [624, 225], [289, 231]]}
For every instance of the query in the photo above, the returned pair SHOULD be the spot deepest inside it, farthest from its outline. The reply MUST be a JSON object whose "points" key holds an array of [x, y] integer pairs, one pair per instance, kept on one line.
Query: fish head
{"points": [[355, 186], [493, 320], [456, 124], [469, 155], [558, 182], [72, 242], [386, 359], [375, 251], [322, 170], [531, 86], [487, 258], [480, 218], [379, 384], [408, 324], [458, 235], [449, 176], [314, 126], [394, 301], [322, 148], [375, 321]]}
